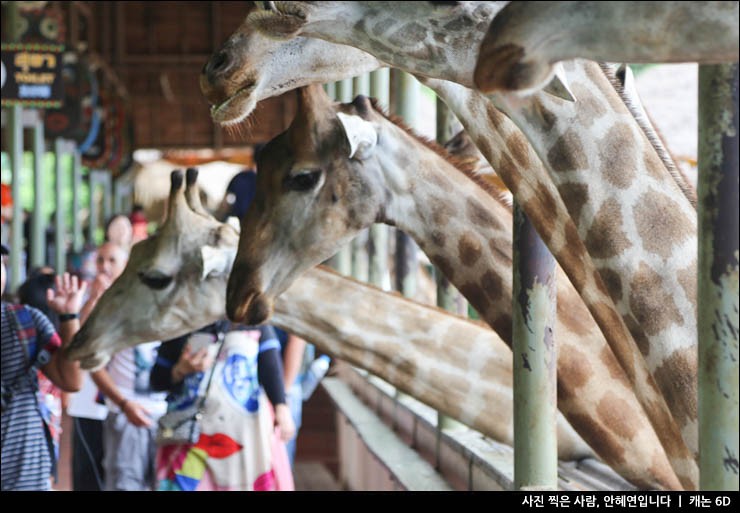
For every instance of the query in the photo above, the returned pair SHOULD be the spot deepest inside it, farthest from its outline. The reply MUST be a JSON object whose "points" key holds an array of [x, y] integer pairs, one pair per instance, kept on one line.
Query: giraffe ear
{"points": [[361, 135], [216, 260]]}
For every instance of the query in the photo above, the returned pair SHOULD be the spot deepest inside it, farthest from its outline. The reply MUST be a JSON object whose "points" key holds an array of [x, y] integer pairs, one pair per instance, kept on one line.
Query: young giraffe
{"points": [[539, 198], [312, 198], [525, 39], [456, 366]]}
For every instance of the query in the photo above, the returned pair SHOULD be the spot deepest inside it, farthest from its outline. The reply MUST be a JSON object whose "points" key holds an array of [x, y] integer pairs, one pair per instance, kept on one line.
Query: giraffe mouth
{"points": [[235, 108], [254, 309]]}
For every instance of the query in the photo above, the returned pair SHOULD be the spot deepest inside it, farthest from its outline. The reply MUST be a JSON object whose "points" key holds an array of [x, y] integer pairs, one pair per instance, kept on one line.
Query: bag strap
{"points": [[221, 338]]}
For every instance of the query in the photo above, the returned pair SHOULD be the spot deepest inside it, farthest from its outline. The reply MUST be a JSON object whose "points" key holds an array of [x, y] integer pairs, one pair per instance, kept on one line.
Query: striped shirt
{"points": [[25, 457]]}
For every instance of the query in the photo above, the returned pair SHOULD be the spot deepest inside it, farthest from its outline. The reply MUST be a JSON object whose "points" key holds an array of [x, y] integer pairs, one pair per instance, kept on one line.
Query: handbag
{"points": [[178, 427]]}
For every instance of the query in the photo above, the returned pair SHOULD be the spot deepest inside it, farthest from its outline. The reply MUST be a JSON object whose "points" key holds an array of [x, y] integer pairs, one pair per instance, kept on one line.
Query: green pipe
{"points": [[344, 90], [447, 296], [107, 180], [331, 90], [38, 220], [380, 86], [361, 85], [92, 225], [15, 122], [378, 237], [718, 277], [535, 359], [77, 239], [60, 239], [15, 125]]}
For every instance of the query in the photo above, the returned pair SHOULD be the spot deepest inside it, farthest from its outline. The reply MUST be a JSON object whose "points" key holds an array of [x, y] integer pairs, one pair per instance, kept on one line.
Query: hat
{"points": [[4, 250]]}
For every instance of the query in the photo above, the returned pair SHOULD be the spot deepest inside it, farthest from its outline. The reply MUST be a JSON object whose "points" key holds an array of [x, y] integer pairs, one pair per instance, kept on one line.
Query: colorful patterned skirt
{"points": [[238, 447]]}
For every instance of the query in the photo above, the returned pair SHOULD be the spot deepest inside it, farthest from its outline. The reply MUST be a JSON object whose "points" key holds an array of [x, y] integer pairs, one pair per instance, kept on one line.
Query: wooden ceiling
{"points": [[155, 50]]}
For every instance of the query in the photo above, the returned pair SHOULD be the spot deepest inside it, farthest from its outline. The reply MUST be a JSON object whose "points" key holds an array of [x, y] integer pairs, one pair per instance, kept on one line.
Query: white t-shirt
{"points": [[130, 369], [83, 403]]}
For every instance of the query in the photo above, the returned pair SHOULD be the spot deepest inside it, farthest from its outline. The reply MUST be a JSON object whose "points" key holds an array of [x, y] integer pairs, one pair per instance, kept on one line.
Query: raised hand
{"points": [[67, 298]]}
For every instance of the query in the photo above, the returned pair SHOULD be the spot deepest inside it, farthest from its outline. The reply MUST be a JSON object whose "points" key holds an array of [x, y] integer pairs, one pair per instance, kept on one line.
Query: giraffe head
{"points": [[251, 66], [173, 283], [319, 184], [526, 39]]}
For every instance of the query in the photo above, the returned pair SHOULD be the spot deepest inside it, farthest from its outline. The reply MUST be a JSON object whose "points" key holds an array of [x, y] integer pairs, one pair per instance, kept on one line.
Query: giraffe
{"points": [[338, 169], [450, 363], [424, 42], [525, 39]]}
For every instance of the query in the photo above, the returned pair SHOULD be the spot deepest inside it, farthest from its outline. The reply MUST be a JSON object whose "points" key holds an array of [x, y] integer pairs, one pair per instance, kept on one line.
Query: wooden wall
{"points": [[157, 49]]}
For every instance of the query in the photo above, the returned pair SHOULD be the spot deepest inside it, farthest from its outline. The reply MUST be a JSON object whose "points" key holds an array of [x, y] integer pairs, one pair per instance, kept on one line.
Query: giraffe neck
{"points": [[462, 383], [438, 40], [502, 144], [636, 223], [468, 236]]}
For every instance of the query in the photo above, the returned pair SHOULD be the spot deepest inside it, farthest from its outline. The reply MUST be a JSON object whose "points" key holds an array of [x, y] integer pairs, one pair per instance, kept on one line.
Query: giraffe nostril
{"points": [[217, 64]]}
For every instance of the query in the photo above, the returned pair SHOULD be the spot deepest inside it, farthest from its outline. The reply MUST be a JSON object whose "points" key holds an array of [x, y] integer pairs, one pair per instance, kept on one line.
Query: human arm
{"points": [[136, 413], [270, 374], [99, 285], [168, 355], [292, 359], [65, 299]]}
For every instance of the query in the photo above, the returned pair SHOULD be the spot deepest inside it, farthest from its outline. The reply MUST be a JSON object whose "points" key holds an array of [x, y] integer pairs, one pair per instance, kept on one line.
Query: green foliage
{"points": [[49, 185]]}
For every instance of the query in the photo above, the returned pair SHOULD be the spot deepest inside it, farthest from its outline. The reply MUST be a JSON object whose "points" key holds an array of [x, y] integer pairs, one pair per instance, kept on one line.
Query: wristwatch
{"points": [[68, 317]]}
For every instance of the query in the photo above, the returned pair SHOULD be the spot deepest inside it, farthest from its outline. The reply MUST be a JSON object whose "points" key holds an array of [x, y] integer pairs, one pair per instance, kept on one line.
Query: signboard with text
{"points": [[32, 75]]}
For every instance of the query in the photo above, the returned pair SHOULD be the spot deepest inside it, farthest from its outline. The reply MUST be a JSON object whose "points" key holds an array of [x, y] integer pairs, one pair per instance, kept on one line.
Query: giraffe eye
{"points": [[303, 181], [155, 279]]}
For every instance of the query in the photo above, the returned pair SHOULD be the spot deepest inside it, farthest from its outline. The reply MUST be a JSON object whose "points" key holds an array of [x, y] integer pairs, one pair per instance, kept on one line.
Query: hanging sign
{"points": [[32, 75]]}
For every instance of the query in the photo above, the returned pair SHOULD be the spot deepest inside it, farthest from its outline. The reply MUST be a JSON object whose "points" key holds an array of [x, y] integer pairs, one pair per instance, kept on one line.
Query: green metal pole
{"points": [[92, 225], [407, 262], [343, 258], [38, 220], [16, 225], [378, 238], [404, 100], [107, 195], [535, 359], [718, 277], [361, 85], [77, 238], [446, 293], [15, 125], [60, 262], [380, 86], [359, 251], [331, 90]]}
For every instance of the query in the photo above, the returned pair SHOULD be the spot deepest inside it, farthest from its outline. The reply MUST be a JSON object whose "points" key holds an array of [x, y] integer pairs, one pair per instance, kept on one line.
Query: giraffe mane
{"points": [[466, 165], [655, 138]]}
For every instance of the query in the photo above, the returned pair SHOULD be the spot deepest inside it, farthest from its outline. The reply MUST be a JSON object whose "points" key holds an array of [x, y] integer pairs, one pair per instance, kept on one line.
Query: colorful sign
{"points": [[31, 75]]}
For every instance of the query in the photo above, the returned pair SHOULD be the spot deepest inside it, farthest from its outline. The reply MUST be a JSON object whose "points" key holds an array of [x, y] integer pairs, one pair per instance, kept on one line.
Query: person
{"points": [[295, 355], [240, 191], [30, 341], [238, 448], [120, 231], [32, 292], [87, 407], [129, 429], [139, 224]]}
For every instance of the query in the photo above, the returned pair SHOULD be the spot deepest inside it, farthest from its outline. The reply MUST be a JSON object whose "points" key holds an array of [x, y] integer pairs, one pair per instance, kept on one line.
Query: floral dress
{"points": [[237, 440]]}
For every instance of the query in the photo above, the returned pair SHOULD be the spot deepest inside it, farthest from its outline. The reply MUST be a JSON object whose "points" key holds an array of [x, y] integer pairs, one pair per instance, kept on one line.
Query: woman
{"points": [[237, 448]]}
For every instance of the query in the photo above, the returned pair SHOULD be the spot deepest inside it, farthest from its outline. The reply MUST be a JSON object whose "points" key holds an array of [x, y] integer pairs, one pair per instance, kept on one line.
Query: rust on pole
{"points": [[535, 359], [718, 276]]}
